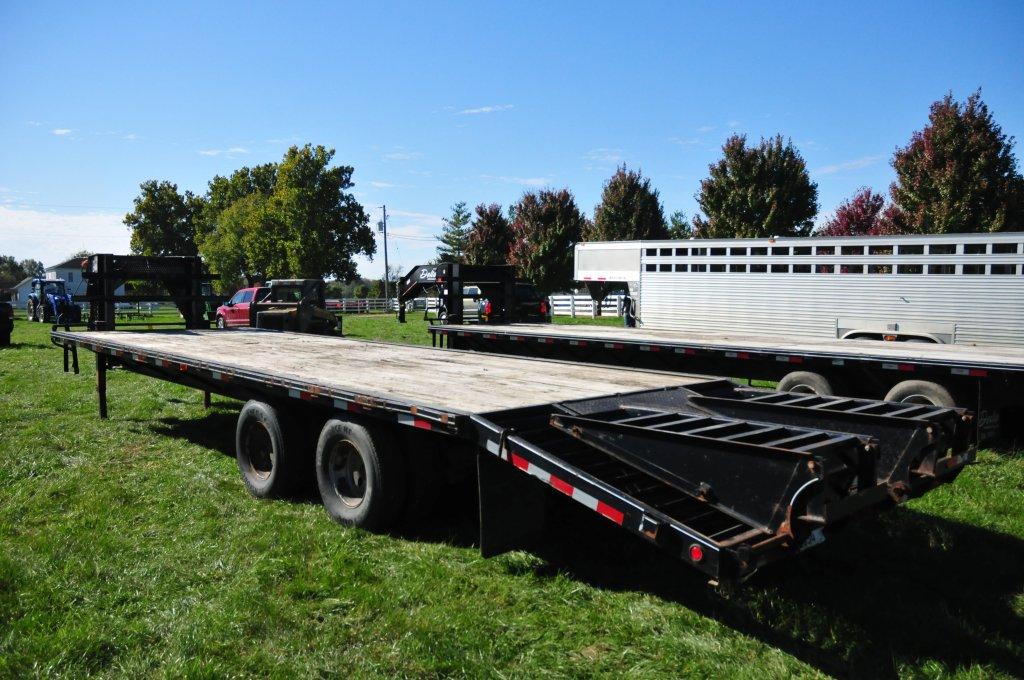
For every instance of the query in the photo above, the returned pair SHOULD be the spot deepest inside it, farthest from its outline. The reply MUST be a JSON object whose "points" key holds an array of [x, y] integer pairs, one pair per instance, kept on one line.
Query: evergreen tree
{"points": [[454, 235], [679, 226]]}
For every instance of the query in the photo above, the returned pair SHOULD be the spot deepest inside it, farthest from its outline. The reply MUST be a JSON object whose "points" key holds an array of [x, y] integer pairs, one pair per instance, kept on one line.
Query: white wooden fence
{"points": [[562, 304], [583, 305]]}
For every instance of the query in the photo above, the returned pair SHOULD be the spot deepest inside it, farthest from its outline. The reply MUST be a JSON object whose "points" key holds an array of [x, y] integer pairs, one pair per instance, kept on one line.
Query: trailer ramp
{"points": [[726, 478]]}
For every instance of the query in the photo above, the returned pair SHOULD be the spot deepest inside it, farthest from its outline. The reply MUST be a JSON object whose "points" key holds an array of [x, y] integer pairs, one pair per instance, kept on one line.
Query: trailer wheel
{"points": [[361, 476], [267, 467], [921, 392], [806, 382], [30, 311], [221, 323]]}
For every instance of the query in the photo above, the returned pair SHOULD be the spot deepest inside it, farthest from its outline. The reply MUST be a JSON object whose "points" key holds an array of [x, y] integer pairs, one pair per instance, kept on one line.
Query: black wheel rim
{"points": [[347, 473], [258, 449]]}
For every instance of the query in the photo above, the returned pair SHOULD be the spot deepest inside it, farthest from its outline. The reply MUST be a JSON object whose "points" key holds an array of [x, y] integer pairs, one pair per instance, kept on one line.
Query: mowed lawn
{"points": [[129, 547]]}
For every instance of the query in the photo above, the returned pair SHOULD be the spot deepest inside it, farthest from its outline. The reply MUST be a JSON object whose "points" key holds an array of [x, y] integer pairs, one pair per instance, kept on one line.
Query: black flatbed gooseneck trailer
{"points": [[725, 478], [987, 380]]}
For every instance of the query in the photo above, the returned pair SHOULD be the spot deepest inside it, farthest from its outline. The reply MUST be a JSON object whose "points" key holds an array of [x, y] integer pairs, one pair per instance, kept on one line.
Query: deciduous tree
{"points": [[959, 173], [630, 210], [454, 236], [490, 236], [547, 226], [163, 221], [293, 219], [761, 190], [866, 214]]}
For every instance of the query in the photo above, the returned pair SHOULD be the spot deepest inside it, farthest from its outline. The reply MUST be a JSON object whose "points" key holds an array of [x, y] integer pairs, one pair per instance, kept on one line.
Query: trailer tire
{"points": [[921, 392], [221, 323], [806, 382], [360, 474], [261, 449]]}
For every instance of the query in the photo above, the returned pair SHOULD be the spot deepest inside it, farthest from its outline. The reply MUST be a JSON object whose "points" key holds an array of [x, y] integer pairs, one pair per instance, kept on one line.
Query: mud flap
{"points": [[512, 507]]}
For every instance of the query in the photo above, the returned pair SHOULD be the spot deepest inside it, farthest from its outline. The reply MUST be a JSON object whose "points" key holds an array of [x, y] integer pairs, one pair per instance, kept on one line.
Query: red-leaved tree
{"points": [[866, 214]]}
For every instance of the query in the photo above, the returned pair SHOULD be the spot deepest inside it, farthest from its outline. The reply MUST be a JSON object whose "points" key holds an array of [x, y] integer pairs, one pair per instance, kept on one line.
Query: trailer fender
{"points": [[360, 474]]}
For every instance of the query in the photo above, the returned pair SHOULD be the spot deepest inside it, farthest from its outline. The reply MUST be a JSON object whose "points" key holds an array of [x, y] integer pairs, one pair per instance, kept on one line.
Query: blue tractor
{"points": [[50, 302]]}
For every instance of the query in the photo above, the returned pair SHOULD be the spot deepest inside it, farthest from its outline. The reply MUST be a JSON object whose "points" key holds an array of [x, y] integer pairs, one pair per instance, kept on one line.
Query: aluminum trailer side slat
{"points": [[723, 506]]}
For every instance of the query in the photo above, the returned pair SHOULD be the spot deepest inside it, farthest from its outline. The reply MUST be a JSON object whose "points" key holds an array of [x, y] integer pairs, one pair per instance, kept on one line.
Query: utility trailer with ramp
{"points": [[723, 477]]}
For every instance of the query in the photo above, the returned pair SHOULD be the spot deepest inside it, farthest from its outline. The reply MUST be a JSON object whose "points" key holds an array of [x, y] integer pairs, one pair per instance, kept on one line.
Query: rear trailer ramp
{"points": [[725, 478]]}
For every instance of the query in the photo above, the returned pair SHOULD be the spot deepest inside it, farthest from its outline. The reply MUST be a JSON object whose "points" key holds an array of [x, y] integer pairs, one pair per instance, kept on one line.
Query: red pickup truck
{"points": [[235, 312]]}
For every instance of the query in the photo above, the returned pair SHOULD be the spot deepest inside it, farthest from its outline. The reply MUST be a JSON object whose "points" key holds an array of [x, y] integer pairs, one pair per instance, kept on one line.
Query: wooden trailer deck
{"points": [[459, 382], [1006, 358]]}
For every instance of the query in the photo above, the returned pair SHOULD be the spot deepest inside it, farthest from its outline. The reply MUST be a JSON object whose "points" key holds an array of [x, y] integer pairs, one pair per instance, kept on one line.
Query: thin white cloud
{"points": [[230, 153], [855, 164], [403, 156], [734, 123], [494, 108], [706, 128], [521, 181], [603, 155], [382, 185], [62, 132], [33, 123], [691, 141]]}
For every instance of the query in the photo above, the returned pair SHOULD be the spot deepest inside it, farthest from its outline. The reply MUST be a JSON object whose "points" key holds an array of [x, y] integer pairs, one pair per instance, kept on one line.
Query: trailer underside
{"points": [[725, 478]]}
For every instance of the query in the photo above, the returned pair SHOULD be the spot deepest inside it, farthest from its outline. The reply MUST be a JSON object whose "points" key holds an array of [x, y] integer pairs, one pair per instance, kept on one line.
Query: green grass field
{"points": [[129, 547]]}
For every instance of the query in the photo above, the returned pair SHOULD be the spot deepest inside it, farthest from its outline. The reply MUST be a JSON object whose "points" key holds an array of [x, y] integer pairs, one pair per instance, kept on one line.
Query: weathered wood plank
{"points": [[466, 382]]}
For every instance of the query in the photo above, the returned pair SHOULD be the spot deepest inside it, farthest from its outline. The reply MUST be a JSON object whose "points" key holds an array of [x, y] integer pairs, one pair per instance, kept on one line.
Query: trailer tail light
{"points": [[696, 553], [543, 307], [487, 308]]}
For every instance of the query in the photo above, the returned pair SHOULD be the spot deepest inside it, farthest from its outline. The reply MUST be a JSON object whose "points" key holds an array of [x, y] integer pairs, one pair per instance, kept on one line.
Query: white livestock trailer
{"points": [[951, 288]]}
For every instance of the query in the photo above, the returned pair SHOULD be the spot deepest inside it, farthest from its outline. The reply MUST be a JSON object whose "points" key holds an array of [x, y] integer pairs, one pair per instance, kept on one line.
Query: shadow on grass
{"points": [[894, 590], [215, 430], [889, 592]]}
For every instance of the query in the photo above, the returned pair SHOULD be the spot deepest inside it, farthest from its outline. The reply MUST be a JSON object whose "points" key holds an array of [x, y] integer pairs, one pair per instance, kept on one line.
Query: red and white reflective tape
{"points": [[898, 367], [568, 489], [612, 345], [413, 421], [973, 372], [737, 355], [578, 343], [788, 359], [649, 348], [685, 350]]}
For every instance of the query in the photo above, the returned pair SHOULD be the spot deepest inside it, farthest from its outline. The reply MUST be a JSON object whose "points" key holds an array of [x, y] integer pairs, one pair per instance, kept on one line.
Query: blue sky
{"points": [[465, 101]]}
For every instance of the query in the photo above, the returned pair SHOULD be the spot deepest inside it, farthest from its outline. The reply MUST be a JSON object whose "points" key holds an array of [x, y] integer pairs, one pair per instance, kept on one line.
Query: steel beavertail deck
{"points": [[725, 478]]}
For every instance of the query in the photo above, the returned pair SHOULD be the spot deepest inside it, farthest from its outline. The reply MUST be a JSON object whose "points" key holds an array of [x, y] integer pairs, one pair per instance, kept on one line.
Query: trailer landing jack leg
{"points": [[101, 382], [206, 399]]}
